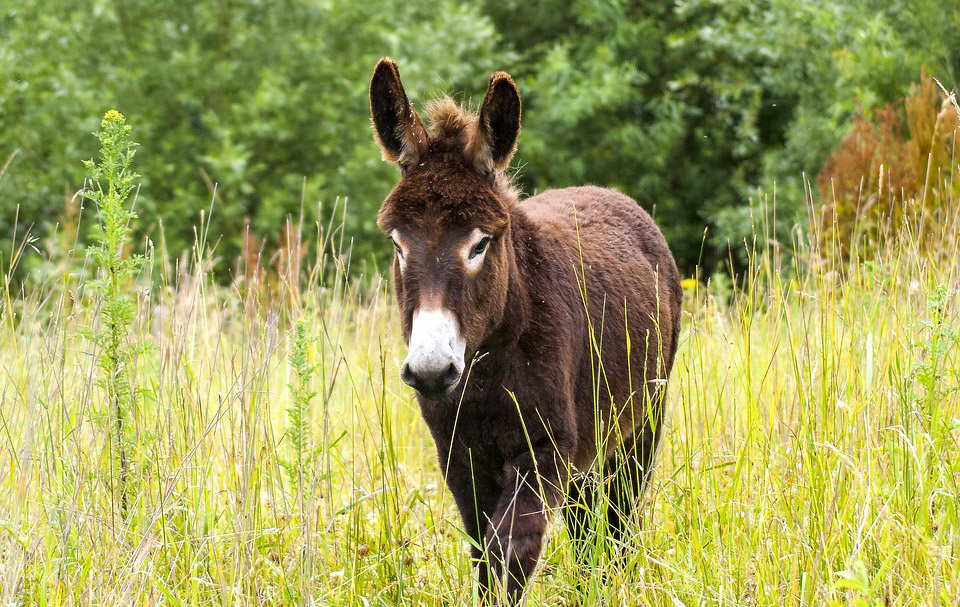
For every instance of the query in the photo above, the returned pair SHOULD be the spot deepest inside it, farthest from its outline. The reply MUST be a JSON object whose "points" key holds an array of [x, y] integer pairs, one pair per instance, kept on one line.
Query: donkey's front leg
{"points": [[534, 486], [476, 495]]}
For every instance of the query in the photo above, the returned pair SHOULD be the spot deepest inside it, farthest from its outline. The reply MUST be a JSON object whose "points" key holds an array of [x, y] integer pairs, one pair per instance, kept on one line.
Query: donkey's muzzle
{"points": [[434, 362], [431, 383]]}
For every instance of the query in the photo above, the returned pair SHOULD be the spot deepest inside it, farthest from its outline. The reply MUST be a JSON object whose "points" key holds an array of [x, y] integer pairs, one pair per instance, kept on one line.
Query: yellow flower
{"points": [[688, 283], [113, 115]]}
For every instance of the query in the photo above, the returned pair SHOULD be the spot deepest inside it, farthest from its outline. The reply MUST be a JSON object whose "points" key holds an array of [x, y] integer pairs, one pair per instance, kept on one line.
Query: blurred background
{"points": [[697, 108]]}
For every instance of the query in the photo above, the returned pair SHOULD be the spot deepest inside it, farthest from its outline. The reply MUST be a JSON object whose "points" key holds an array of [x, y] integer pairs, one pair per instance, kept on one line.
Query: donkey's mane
{"points": [[449, 120]]}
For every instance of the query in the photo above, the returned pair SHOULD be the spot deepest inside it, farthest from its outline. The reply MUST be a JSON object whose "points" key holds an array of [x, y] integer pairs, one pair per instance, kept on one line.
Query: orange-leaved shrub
{"points": [[893, 161]]}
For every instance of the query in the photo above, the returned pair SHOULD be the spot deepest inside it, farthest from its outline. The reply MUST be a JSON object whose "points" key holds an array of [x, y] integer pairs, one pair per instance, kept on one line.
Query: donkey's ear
{"points": [[494, 140], [396, 125]]}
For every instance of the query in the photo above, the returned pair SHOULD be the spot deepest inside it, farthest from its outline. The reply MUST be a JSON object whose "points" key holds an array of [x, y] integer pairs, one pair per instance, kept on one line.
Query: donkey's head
{"points": [[449, 220]]}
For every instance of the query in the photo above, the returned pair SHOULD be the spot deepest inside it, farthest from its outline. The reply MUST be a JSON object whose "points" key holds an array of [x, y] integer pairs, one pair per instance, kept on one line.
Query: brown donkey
{"points": [[541, 333]]}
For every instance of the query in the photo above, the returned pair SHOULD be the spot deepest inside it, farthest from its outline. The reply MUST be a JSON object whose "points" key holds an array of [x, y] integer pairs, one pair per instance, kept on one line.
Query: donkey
{"points": [[540, 333]]}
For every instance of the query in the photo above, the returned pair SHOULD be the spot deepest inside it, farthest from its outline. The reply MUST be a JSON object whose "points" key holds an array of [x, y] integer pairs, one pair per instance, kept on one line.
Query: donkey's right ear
{"points": [[396, 125], [493, 141]]}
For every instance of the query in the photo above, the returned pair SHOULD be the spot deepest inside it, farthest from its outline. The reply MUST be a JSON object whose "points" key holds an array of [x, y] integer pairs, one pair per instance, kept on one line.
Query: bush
{"points": [[688, 106], [267, 101], [892, 161]]}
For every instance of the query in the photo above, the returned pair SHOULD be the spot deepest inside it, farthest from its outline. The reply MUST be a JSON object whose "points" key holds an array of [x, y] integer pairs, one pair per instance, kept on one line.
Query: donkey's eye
{"points": [[397, 248], [480, 247]]}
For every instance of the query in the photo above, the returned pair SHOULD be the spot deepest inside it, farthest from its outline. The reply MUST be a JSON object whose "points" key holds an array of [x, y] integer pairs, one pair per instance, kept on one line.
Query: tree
{"points": [[266, 100], [689, 106]]}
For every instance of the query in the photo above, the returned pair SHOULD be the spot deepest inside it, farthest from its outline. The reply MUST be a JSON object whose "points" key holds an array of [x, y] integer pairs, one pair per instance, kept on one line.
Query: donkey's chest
{"points": [[487, 432]]}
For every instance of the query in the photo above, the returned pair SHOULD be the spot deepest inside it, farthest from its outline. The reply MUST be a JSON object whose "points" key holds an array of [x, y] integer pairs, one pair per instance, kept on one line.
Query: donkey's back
{"points": [[620, 276]]}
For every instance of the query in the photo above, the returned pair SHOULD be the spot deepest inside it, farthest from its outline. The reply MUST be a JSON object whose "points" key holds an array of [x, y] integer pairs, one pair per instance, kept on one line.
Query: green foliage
{"points": [[299, 420], [267, 101], [856, 580], [113, 183], [652, 99], [687, 105], [113, 172], [939, 381]]}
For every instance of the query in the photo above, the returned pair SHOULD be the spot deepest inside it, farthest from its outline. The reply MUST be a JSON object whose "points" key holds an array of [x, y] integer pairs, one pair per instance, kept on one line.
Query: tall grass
{"points": [[810, 456]]}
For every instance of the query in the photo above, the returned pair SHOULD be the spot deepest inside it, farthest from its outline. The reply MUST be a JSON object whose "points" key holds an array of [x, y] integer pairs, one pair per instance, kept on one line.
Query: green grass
{"points": [[274, 457]]}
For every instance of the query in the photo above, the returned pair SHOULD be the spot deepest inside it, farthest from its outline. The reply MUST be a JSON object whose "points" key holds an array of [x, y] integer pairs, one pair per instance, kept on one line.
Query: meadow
{"points": [[168, 439]]}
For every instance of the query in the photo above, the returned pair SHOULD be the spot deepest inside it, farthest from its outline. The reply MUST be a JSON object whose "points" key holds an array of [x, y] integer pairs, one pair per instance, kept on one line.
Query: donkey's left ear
{"points": [[396, 125], [494, 139]]}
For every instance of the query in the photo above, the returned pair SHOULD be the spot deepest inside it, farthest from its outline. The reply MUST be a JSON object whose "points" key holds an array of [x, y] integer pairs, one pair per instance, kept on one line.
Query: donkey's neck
{"points": [[519, 305]]}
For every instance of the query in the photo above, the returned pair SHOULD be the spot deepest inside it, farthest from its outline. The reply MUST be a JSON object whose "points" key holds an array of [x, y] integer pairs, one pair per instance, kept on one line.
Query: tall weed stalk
{"points": [[112, 184]]}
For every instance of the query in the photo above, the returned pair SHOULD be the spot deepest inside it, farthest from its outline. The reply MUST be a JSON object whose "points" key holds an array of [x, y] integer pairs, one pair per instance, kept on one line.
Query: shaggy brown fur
{"points": [[571, 325]]}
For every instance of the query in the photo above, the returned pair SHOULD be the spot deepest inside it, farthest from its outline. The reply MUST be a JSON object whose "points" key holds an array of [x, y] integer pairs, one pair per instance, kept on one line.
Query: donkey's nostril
{"points": [[452, 375], [407, 375]]}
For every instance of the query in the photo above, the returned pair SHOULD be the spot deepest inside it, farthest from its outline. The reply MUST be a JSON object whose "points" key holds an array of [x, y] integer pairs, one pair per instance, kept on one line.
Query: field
{"points": [[252, 444]]}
